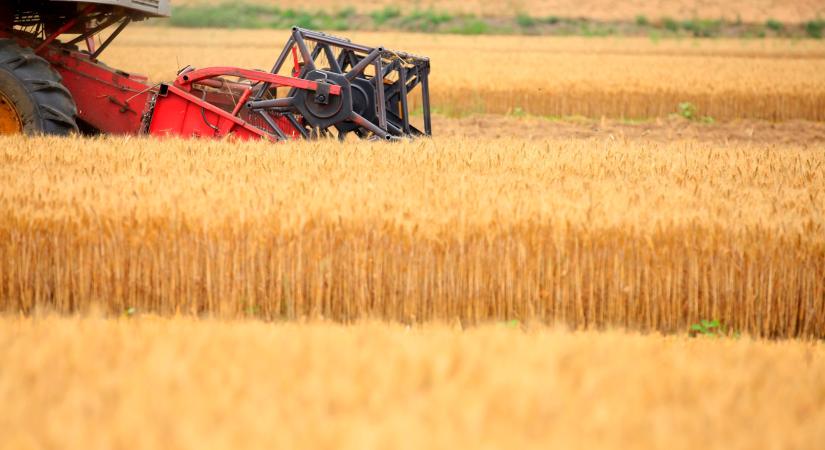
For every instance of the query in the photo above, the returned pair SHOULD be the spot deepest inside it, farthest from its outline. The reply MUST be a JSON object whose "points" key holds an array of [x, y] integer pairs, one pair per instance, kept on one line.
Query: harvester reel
{"points": [[371, 103]]}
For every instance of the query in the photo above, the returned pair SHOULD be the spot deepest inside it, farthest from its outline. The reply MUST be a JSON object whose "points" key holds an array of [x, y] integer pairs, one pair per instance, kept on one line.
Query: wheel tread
{"points": [[56, 108], [57, 115]]}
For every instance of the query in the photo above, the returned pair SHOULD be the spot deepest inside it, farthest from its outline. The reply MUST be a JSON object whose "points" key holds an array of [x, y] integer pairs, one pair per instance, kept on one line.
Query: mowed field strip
{"points": [[792, 11], [674, 128], [589, 233], [146, 383], [632, 78]]}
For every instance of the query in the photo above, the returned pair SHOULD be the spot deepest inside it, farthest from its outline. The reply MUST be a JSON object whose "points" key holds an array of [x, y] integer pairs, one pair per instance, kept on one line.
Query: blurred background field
{"points": [[674, 18], [795, 11]]}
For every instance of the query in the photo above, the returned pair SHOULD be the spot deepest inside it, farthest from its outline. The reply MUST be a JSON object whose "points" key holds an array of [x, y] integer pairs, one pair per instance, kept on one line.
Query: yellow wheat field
{"points": [[758, 11], [589, 233], [593, 77], [185, 384]]}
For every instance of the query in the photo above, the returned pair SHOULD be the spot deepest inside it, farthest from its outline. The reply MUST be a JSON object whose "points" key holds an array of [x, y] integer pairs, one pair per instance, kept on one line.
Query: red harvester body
{"points": [[334, 87]]}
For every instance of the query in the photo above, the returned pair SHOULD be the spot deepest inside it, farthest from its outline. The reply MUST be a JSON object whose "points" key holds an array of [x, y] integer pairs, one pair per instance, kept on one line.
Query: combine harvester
{"points": [[48, 84]]}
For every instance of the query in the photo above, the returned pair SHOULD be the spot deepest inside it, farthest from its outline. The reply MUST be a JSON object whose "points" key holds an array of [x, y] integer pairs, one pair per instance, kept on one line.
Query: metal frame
{"points": [[401, 73]]}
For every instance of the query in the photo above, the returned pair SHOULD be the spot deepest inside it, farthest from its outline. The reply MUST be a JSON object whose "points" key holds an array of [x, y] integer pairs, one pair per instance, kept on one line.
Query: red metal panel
{"points": [[113, 101], [109, 100], [178, 113], [192, 77]]}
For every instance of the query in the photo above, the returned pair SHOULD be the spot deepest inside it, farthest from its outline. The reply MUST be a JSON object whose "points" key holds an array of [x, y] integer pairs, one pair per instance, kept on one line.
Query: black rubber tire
{"points": [[34, 88]]}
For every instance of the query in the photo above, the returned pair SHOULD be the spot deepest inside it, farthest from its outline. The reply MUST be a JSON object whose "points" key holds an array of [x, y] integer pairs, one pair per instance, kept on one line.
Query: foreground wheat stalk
{"points": [[145, 383], [587, 233]]}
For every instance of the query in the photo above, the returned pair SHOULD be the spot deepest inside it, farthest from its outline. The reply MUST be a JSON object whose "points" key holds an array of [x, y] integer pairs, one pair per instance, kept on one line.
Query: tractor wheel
{"points": [[32, 100]]}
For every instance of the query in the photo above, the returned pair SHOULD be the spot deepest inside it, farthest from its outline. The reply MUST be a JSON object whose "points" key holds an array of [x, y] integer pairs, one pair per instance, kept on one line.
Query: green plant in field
{"points": [[471, 26], [525, 20], [642, 21], [518, 111], [338, 21], [670, 24], [707, 328], [241, 15], [381, 16], [703, 27], [514, 323], [345, 13], [304, 19], [251, 309], [712, 328], [594, 29], [775, 25], [222, 16], [814, 28], [687, 110], [425, 19]]}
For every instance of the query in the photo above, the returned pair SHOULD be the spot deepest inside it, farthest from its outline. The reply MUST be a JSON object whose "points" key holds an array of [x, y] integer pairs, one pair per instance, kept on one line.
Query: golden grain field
{"points": [[517, 281], [549, 76], [179, 383], [756, 11], [589, 233]]}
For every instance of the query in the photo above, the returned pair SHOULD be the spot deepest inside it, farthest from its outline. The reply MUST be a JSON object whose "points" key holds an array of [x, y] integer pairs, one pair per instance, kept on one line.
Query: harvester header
{"points": [[319, 86]]}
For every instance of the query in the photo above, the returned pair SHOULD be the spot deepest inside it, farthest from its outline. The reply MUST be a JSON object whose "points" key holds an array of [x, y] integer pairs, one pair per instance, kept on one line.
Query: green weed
{"points": [[775, 25], [670, 24], [425, 20], [382, 16], [525, 20], [471, 26], [712, 328], [703, 27], [814, 28]]}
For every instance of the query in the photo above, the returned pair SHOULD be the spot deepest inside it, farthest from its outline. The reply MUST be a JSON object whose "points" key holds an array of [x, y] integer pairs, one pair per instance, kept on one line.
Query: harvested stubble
{"points": [[548, 76], [765, 133], [141, 383], [590, 233]]}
